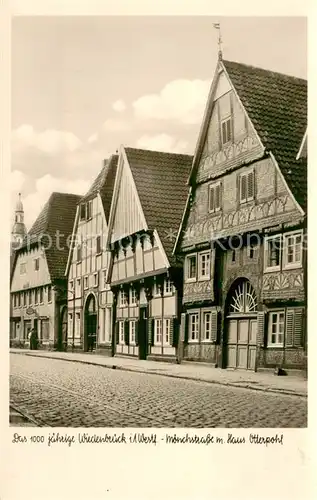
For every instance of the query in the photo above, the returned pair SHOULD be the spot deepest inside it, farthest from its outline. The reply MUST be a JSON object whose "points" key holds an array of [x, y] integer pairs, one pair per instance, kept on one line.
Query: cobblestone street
{"points": [[65, 394]]}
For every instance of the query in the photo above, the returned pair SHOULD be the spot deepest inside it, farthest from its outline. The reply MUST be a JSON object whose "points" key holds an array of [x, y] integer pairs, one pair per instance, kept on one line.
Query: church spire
{"points": [[18, 229]]}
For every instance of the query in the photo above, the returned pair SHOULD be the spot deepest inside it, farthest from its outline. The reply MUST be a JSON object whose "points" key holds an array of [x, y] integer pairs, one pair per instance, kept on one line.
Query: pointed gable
{"points": [[103, 184], [161, 183], [54, 227], [277, 106]]}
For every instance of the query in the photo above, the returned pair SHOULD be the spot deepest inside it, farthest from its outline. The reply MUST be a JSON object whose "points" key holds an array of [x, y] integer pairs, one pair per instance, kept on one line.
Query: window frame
{"points": [[170, 291], [37, 264], [125, 302], [267, 239], [286, 236], [132, 297], [86, 282], [166, 331], [203, 336], [246, 176], [49, 294], [132, 331], [200, 256], [156, 290], [190, 318], [121, 333], [213, 186], [41, 295], [96, 281], [158, 321], [188, 257], [269, 328], [223, 122]]}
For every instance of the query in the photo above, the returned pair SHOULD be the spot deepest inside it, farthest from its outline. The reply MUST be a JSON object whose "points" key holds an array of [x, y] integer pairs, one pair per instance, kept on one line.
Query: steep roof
{"points": [[55, 225], [104, 184], [161, 183], [277, 106]]}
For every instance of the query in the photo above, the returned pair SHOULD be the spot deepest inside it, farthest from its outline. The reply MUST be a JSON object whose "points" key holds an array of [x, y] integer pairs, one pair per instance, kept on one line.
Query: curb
{"points": [[182, 377], [24, 415]]}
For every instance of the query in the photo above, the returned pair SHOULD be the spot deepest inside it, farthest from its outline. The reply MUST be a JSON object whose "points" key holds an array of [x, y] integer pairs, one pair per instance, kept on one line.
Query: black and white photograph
{"points": [[158, 255]]}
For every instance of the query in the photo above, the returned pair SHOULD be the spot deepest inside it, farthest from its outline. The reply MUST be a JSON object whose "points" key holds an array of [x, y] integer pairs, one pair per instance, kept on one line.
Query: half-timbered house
{"points": [[244, 229], [87, 320], [149, 198], [38, 284]]}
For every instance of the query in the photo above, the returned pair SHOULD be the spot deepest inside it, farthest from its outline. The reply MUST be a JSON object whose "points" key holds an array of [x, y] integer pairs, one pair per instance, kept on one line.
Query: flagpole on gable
{"points": [[217, 27]]}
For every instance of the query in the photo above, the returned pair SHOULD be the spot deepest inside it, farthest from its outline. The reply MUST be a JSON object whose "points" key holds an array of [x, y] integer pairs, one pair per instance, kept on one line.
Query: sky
{"points": [[81, 86]]}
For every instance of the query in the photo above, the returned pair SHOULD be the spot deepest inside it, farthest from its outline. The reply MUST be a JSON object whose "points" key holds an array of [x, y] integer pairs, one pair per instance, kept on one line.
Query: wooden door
{"points": [[142, 333], [241, 343]]}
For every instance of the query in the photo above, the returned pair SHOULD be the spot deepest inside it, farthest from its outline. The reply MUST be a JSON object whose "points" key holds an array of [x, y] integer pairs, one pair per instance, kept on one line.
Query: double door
{"points": [[241, 342]]}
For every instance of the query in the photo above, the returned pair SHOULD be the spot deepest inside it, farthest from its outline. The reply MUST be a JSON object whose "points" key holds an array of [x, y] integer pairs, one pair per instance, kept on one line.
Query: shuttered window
{"points": [[121, 332], [226, 131], [167, 336], [294, 327], [214, 197], [276, 328], [206, 326], [132, 332], [158, 331], [193, 333], [247, 186]]}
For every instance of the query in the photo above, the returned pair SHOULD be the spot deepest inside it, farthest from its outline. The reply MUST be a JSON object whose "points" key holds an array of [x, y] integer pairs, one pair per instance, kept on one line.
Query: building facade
{"points": [[38, 285], [149, 197], [87, 319], [244, 230]]}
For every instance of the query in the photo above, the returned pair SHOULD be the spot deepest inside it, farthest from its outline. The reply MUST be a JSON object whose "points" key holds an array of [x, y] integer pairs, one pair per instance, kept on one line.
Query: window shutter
{"points": [[117, 332], [211, 199], [186, 327], [173, 329], [217, 196], [243, 187], [136, 333], [251, 184], [214, 325], [298, 327], [260, 334], [126, 332], [151, 331], [289, 327]]}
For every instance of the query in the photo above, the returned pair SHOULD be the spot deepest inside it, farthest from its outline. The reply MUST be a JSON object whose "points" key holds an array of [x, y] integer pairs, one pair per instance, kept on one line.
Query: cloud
{"points": [[49, 141], [180, 100], [17, 180], [93, 138], [119, 106], [162, 142], [115, 125]]}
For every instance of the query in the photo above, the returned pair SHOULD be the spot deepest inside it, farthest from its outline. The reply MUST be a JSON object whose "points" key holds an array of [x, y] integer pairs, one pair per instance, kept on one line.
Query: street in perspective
{"points": [[62, 393]]}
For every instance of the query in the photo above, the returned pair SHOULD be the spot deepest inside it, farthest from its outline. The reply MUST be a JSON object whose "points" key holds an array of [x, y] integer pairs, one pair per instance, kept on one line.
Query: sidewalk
{"points": [[261, 381]]}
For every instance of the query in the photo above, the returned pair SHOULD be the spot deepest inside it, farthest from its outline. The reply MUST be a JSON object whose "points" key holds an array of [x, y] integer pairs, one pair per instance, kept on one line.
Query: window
{"points": [[132, 332], [77, 324], [71, 285], [214, 197], [233, 255], [41, 295], [193, 328], [14, 300], [30, 297], [86, 282], [276, 329], [157, 290], [158, 331], [204, 265], [23, 268], [36, 296], [83, 211], [207, 326], [49, 294], [167, 331], [79, 253], [133, 301], [293, 249], [78, 282], [226, 131], [168, 287], [98, 244], [123, 300], [89, 210], [191, 267], [19, 299], [121, 332], [96, 279], [273, 252], [24, 298], [247, 186], [36, 264]]}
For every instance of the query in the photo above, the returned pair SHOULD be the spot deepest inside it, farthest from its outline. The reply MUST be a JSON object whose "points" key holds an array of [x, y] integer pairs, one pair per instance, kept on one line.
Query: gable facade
{"points": [[242, 229]]}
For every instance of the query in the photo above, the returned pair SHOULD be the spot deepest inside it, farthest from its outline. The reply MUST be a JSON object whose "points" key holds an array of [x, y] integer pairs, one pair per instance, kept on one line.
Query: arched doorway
{"points": [[241, 325], [63, 330], [90, 324]]}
